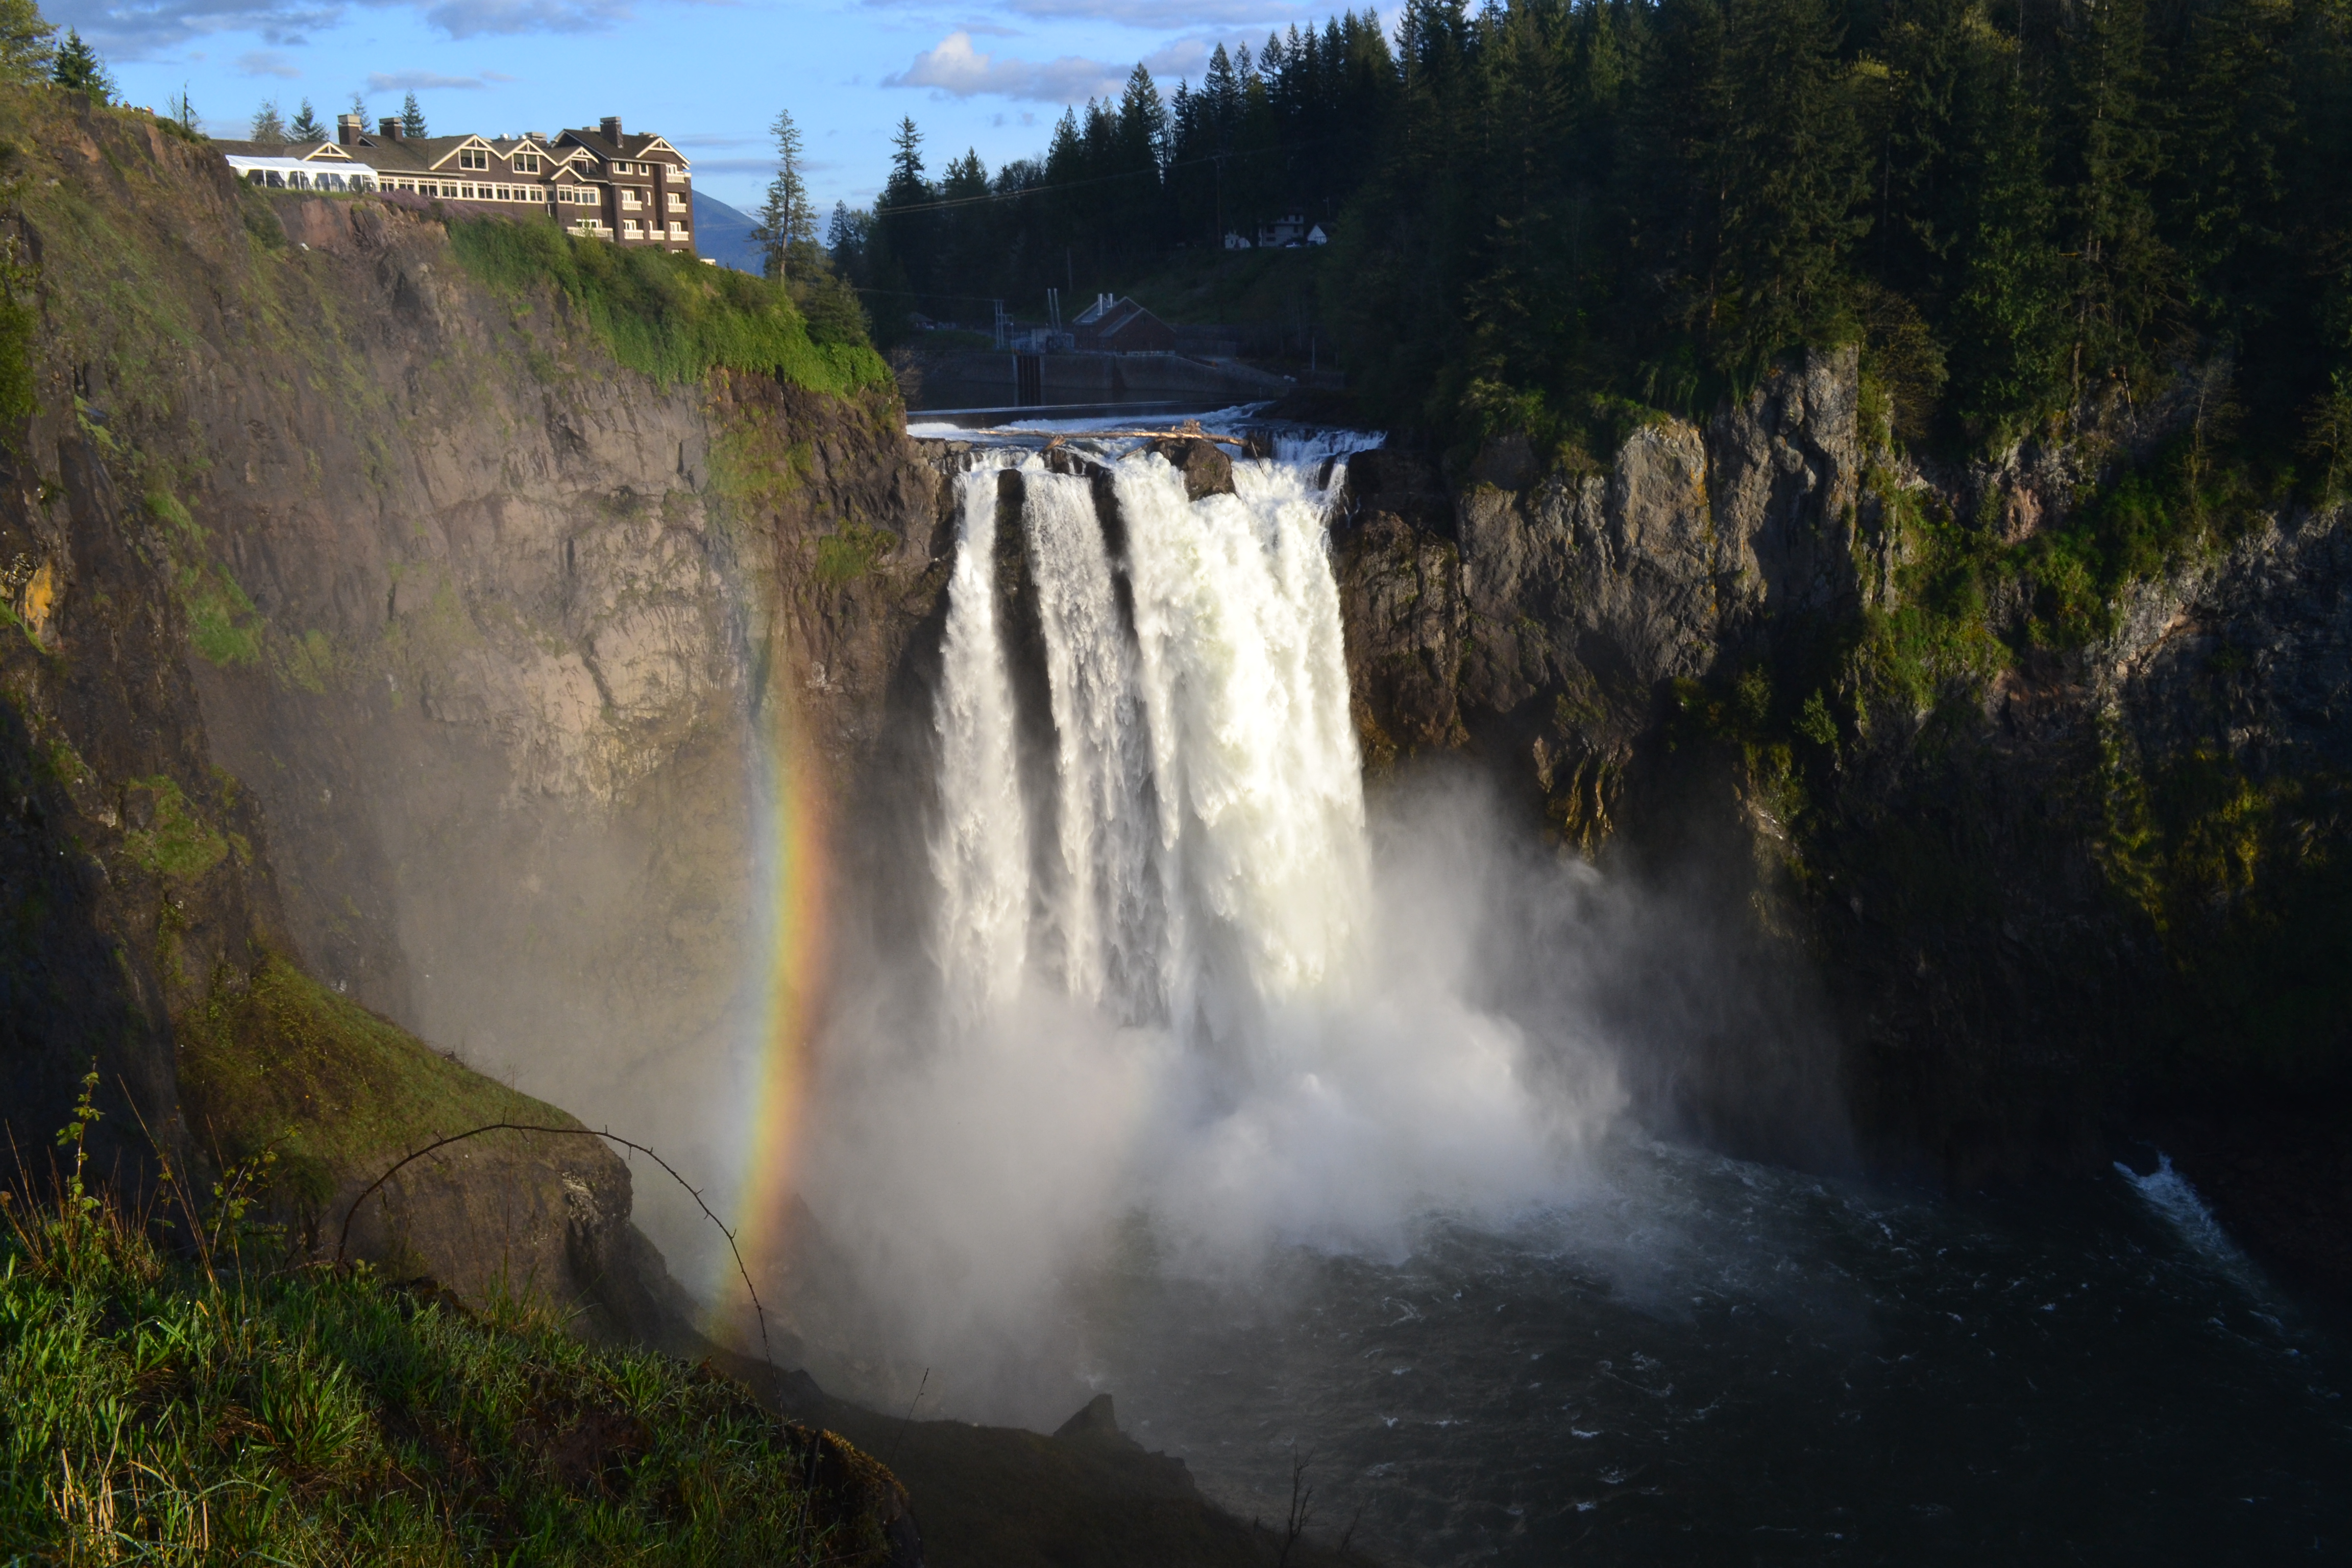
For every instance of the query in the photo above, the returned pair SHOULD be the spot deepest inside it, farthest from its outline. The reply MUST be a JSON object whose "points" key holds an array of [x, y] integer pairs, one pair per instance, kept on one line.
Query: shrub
{"points": [[666, 314]]}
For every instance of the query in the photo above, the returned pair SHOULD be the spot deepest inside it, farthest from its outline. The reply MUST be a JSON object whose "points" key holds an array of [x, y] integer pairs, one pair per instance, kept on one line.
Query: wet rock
{"points": [[1207, 470], [1096, 1420]]}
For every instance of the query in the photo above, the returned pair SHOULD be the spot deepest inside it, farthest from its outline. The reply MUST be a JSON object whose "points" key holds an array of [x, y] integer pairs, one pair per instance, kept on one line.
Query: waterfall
{"points": [[980, 854], [1204, 827], [1179, 990]]}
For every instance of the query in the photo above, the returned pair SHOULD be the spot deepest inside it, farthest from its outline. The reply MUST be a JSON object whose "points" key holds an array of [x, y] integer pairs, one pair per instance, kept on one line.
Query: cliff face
{"points": [[2059, 898], [376, 619]]}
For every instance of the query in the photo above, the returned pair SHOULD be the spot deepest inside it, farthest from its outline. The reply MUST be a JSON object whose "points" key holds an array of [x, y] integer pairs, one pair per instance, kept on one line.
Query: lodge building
{"points": [[630, 189]]}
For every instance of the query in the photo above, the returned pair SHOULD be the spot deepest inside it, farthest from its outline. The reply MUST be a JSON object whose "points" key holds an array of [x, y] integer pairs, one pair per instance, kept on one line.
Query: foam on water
{"points": [[2169, 1194]]}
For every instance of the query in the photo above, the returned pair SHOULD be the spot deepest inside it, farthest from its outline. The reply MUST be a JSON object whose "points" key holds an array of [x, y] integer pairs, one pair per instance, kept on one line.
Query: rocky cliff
{"points": [[386, 649], [2032, 881]]}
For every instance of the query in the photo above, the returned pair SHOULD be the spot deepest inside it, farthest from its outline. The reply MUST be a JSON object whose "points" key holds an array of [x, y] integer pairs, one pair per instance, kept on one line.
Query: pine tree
{"points": [[2122, 274], [785, 220], [411, 117], [269, 125], [359, 106], [78, 69], [306, 126], [906, 183], [27, 41], [185, 112]]}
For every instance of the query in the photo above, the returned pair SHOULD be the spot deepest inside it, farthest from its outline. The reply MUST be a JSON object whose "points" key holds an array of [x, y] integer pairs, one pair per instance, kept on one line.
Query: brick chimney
{"points": [[611, 126], [389, 128], [348, 129]]}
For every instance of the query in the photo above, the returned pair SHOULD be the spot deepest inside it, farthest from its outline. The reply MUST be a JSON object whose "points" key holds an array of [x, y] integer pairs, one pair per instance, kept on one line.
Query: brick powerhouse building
{"points": [[632, 189]]}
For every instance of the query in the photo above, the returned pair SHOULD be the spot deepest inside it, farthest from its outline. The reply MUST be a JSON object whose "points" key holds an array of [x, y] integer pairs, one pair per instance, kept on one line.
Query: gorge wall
{"points": [[381, 640], [2029, 901]]}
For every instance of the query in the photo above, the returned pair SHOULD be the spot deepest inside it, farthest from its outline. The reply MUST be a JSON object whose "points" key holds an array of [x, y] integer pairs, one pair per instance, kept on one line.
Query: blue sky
{"points": [[707, 74]]}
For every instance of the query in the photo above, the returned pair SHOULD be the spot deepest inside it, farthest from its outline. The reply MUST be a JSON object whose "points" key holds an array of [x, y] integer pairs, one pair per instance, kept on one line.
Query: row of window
{"points": [[297, 180], [479, 158], [632, 229]]}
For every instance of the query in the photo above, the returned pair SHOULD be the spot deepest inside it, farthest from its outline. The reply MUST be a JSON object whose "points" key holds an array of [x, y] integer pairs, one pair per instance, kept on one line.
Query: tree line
{"points": [[1545, 209]]}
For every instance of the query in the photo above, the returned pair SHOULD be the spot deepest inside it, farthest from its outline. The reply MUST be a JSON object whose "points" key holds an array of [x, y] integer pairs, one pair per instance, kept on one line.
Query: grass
{"points": [[191, 1411], [280, 1063], [665, 313]]}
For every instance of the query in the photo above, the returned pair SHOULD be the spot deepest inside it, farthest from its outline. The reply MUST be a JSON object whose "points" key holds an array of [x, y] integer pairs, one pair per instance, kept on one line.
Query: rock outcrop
{"points": [[2057, 900]]}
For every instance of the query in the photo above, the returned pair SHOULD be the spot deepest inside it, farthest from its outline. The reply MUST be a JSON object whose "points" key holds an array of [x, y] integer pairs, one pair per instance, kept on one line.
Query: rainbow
{"points": [[793, 953]]}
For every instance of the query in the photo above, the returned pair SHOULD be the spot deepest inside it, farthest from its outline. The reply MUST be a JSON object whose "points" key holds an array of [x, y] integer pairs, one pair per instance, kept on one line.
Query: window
{"points": [[629, 227], [526, 162], [473, 158], [676, 229], [678, 203], [449, 190], [505, 194], [628, 196]]}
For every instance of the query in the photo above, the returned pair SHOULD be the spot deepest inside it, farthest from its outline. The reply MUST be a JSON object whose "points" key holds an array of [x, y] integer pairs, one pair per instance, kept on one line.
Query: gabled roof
{"points": [[457, 145], [633, 144], [1103, 320], [325, 152]]}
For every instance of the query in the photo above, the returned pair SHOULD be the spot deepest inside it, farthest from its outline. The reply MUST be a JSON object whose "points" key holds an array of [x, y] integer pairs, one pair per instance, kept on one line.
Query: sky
{"points": [[708, 74]]}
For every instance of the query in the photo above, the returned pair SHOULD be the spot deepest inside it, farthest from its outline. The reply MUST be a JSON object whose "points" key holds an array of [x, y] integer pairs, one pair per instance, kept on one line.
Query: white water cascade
{"points": [[1182, 996], [1206, 812]]}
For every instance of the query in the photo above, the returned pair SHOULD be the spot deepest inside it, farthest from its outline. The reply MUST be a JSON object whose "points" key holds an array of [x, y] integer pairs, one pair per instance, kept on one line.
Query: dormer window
{"points": [[526, 162], [473, 158]]}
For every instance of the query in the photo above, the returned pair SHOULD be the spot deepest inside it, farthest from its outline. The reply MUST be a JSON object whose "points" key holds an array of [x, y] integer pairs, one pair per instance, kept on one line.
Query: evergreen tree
{"points": [[2121, 273], [184, 112], [77, 67], [785, 220], [411, 117], [359, 106], [27, 41], [306, 126], [268, 124]]}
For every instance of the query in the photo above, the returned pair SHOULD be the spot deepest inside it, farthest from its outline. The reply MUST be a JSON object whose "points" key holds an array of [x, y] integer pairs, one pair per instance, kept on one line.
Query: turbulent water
{"points": [[1706, 1360], [1243, 1110]]}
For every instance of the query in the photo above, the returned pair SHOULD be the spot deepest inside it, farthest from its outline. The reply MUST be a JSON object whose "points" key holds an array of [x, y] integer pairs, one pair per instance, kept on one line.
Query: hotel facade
{"points": [[630, 189]]}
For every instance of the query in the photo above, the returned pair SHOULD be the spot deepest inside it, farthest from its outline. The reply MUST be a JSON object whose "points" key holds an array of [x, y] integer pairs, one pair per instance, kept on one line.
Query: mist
{"points": [[1344, 1015]]}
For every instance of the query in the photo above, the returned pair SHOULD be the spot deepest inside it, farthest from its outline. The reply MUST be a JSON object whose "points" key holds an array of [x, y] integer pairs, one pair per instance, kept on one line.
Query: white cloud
{"points": [[267, 62], [956, 69], [420, 82]]}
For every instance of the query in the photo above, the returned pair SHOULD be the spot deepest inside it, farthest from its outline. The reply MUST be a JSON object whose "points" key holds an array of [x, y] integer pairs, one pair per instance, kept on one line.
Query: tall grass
{"points": [[210, 1409], [665, 313]]}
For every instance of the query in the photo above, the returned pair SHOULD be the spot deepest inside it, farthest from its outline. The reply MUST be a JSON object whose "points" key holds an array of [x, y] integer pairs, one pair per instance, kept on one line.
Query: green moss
{"points": [[665, 313], [310, 663], [223, 624], [282, 1061], [851, 551], [176, 844]]}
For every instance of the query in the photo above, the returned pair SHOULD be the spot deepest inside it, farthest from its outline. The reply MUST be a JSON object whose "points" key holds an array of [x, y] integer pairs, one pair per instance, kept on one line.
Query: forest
{"points": [[1551, 216]]}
